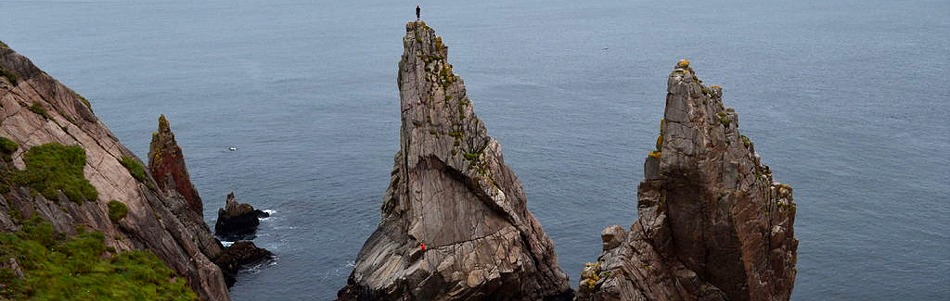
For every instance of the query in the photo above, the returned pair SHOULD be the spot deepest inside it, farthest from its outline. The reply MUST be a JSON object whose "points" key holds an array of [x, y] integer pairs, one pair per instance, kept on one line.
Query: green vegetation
{"points": [[83, 100], [117, 211], [471, 156], [745, 141], [9, 75], [39, 109], [80, 268], [54, 167], [7, 147], [135, 168], [724, 119]]}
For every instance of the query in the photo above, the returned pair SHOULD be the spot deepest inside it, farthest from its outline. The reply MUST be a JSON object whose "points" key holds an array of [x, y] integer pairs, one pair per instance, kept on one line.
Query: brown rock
{"points": [[157, 220], [712, 223], [452, 192], [167, 165]]}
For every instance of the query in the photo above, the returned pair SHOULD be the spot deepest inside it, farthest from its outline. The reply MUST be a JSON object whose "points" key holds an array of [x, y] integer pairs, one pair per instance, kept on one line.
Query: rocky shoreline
{"points": [[712, 222]]}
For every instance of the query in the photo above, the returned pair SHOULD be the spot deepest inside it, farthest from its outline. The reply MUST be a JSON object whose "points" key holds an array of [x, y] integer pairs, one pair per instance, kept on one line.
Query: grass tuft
{"points": [[39, 109], [54, 167], [117, 211], [135, 168]]}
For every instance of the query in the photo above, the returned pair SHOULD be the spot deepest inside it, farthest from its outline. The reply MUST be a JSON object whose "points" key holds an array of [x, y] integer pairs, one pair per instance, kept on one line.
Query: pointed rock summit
{"points": [[455, 225], [167, 165], [713, 225]]}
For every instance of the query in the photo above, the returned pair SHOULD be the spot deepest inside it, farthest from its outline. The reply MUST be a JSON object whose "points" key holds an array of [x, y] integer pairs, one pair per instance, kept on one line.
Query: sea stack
{"points": [[237, 221], [713, 224], [167, 164], [119, 197], [455, 225]]}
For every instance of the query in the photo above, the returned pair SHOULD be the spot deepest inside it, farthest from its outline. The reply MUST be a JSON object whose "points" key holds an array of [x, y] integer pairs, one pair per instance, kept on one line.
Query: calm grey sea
{"points": [[847, 100]]}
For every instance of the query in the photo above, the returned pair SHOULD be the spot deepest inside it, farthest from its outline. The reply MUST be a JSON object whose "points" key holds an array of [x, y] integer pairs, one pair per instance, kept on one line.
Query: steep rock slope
{"points": [[454, 220], [713, 225], [35, 109]]}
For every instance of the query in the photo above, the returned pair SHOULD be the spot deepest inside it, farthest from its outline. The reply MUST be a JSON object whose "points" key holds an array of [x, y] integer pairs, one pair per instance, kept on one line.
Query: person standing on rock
{"points": [[418, 11]]}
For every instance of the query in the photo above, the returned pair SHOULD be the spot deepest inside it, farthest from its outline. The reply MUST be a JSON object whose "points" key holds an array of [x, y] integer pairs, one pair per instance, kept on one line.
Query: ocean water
{"points": [[848, 101]]}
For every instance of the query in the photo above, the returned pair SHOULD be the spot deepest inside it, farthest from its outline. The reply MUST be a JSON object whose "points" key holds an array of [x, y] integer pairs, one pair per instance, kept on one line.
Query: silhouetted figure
{"points": [[418, 10]]}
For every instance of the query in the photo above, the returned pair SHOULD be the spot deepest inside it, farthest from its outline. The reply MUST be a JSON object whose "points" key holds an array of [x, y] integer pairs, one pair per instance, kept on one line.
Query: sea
{"points": [[847, 101]]}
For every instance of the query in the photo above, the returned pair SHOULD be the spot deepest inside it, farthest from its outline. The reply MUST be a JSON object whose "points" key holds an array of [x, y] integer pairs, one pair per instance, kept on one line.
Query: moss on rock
{"points": [[117, 211], [53, 167], [81, 268], [135, 168]]}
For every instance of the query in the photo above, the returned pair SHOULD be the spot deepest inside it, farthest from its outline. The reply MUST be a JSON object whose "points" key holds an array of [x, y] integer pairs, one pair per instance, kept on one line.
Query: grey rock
{"points": [[451, 190], [612, 237], [712, 223]]}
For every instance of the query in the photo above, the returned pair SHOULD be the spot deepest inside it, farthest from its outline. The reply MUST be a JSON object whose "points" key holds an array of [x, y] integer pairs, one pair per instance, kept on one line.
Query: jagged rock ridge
{"points": [[454, 220], [713, 225], [35, 109]]}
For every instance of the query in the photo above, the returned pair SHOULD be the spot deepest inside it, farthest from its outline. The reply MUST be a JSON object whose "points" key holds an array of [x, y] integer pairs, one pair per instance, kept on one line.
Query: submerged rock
{"points": [[237, 221], [240, 255], [455, 225], [713, 225]]}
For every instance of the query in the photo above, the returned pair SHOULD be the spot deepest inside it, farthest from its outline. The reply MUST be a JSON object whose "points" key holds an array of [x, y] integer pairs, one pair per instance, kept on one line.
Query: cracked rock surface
{"points": [[158, 220], [455, 225], [713, 224]]}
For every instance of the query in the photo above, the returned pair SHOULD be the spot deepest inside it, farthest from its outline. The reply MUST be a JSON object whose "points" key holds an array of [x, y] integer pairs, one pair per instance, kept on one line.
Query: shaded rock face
{"points": [[157, 220], [239, 255], [454, 220], [237, 221], [167, 165], [713, 225]]}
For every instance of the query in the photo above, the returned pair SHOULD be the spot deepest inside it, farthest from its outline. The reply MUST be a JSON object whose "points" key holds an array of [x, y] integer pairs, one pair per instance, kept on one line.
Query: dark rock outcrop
{"points": [[35, 109], [239, 255], [454, 220], [713, 225], [167, 165], [237, 221]]}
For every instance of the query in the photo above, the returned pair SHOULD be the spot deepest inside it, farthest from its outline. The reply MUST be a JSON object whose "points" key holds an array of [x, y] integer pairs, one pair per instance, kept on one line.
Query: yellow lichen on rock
{"points": [[684, 63]]}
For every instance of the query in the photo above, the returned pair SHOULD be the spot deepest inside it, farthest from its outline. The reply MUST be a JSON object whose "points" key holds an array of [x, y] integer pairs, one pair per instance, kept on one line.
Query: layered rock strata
{"points": [[35, 109], [237, 220], [454, 220], [713, 224]]}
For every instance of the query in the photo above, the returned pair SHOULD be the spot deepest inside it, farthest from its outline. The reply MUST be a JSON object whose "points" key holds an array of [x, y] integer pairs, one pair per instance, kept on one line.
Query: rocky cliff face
{"points": [[35, 109], [713, 225], [454, 220], [167, 164]]}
